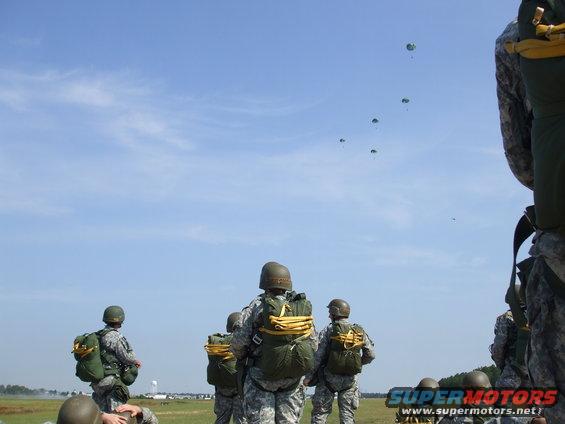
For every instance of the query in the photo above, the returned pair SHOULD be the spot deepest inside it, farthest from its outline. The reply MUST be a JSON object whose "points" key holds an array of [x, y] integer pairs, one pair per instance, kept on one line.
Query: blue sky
{"points": [[156, 155]]}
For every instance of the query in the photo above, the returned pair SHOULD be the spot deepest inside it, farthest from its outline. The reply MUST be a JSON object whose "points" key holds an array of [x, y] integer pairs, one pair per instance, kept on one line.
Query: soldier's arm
{"points": [[323, 343], [121, 348], [368, 350], [498, 347], [515, 111], [243, 333]]}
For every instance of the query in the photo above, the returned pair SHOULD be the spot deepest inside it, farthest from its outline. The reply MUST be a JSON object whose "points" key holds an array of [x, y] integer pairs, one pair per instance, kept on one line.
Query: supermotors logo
{"points": [[459, 401]]}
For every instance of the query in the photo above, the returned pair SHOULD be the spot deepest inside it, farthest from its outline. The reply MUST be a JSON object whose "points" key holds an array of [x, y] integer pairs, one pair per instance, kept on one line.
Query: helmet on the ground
{"points": [[232, 319], [339, 308], [476, 380], [79, 410], [114, 315], [275, 276], [428, 383]]}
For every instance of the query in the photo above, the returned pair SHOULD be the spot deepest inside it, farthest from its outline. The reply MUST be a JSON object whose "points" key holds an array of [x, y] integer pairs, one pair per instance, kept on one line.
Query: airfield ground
{"points": [[24, 411]]}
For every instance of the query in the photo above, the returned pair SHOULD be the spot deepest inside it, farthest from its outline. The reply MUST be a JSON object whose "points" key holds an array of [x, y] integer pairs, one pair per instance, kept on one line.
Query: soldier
{"points": [[83, 410], [541, 68], [118, 359], [221, 373], [479, 380], [343, 348], [425, 383], [503, 350], [276, 341]]}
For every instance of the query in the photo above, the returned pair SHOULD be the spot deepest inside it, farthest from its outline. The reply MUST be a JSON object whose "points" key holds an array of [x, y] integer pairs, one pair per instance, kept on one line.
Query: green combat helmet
{"points": [[232, 319], [339, 308], [114, 315], [275, 276], [79, 410], [427, 383], [476, 380]]}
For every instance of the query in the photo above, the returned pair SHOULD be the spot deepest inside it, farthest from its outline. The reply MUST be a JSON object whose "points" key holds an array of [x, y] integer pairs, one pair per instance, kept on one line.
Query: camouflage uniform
{"points": [[515, 110], [328, 383], [147, 417], [546, 310], [228, 403], [105, 394], [265, 401], [502, 352]]}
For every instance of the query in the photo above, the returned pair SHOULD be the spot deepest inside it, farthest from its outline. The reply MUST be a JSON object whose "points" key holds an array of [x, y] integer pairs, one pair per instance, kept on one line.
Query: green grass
{"points": [[24, 411]]}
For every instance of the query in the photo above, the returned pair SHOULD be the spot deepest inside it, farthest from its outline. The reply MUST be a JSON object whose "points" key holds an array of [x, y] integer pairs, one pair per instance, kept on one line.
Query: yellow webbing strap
{"points": [[82, 350], [285, 326], [537, 49], [222, 350], [549, 30], [351, 340]]}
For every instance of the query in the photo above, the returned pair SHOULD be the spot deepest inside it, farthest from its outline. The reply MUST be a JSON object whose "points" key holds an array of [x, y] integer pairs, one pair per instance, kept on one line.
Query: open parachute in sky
{"points": [[411, 47]]}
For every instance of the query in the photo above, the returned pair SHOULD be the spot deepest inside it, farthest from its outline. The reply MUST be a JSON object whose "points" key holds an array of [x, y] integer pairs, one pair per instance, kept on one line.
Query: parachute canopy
{"points": [[342, 140], [375, 121], [411, 47], [405, 100], [373, 151]]}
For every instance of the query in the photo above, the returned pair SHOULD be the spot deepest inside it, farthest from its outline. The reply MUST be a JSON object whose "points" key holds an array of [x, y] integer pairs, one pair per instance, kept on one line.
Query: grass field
{"points": [[24, 411]]}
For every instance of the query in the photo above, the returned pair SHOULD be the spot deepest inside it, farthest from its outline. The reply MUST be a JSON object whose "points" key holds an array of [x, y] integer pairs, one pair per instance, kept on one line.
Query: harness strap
{"points": [[537, 49], [524, 229]]}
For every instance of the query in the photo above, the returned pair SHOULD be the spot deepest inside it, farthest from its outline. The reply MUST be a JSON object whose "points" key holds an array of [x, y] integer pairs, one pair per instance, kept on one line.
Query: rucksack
{"points": [[287, 351], [221, 371], [86, 349], [95, 363], [344, 356]]}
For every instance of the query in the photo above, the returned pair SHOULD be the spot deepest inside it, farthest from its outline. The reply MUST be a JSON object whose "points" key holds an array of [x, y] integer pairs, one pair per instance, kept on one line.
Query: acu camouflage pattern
{"points": [[546, 317], [265, 401], [346, 386], [545, 357], [227, 403], [147, 417], [515, 110], [110, 392], [502, 352]]}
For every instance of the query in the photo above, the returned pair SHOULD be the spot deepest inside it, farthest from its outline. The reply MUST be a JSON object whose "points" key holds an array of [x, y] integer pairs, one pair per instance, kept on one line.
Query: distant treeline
{"points": [[17, 390], [457, 380], [373, 395]]}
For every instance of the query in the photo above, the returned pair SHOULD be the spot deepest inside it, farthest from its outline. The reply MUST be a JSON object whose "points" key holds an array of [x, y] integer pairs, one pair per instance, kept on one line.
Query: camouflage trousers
{"points": [[227, 403], [347, 400], [513, 378], [270, 402], [546, 317], [106, 396]]}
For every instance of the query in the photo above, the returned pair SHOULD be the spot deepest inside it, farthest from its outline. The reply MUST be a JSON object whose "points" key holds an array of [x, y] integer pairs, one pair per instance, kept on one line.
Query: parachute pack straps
{"points": [[524, 229]]}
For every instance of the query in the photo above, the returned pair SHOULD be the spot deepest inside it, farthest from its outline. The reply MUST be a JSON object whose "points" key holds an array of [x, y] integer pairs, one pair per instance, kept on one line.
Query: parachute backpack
{"points": [[221, 371], [287, 325], [344, 356], [86, 349]]}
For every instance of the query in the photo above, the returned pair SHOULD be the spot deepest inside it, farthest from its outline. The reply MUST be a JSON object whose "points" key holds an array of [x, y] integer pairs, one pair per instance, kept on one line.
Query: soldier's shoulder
{"points": [[510, 33]]}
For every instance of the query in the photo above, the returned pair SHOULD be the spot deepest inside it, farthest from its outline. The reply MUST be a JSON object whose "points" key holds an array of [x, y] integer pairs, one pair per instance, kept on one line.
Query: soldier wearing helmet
{"points": [[274, 358], [221, 373], [503, 352], [425, 384], [479, 380], [83, 410], [118, 360], [343, 348]]}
